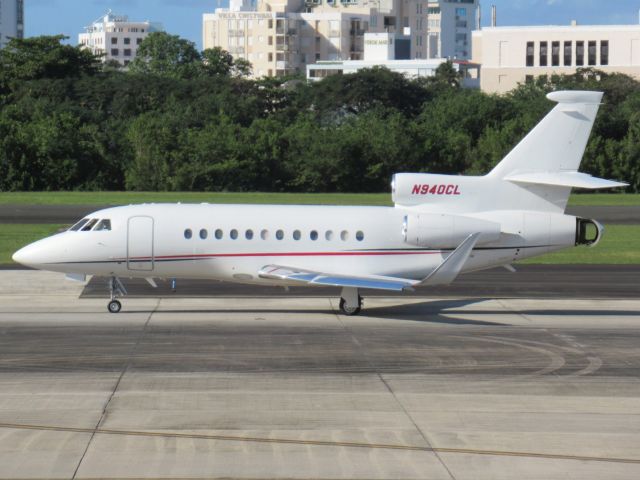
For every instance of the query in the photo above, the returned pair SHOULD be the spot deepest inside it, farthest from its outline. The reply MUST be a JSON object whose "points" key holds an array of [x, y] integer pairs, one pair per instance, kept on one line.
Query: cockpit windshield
{"points": [[78, 225], [90, 225], [95, 224], [103, 225]]}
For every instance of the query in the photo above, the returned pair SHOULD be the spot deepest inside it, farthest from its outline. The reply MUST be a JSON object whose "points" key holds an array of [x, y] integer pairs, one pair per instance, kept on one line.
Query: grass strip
{"points": [[126, 198], [14, 236], [619, 246]]}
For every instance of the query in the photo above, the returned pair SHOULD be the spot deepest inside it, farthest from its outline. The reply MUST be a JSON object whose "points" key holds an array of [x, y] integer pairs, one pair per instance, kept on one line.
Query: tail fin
{"points": [[537, 175], [558, 142], [551, 153]]}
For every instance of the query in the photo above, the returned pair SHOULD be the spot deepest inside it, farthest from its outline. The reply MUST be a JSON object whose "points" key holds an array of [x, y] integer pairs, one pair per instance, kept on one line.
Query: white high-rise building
{"points": [[11, 20], [281, 37], [116, 38]]}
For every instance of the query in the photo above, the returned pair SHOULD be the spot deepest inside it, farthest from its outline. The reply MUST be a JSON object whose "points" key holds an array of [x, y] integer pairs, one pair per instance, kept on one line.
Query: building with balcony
{"points": [[11, 20], [116, 38], [513, 55], [450, 24], [282, 37]]}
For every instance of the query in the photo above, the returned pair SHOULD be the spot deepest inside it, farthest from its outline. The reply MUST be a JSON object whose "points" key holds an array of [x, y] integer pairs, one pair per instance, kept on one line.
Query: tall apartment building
{"points": [[11, 20], [116, 38], [281, 37], [450, 24], [512, 55]]}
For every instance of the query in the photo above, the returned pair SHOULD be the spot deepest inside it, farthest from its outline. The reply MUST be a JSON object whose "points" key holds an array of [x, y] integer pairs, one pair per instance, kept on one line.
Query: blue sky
{"points": [[184, 17]]}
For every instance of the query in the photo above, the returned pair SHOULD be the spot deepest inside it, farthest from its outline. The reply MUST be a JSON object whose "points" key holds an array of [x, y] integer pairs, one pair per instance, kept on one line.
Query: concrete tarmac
{"points": [[286, 387], [69, 214]]}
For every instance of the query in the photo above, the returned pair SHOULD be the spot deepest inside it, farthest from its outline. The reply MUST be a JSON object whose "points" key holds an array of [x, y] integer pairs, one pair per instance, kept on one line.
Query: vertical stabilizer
{"points": [[558, 142]]}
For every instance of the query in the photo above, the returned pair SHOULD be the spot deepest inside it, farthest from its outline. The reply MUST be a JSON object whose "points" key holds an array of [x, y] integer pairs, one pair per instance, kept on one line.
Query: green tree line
{"points": [[179, 119]]}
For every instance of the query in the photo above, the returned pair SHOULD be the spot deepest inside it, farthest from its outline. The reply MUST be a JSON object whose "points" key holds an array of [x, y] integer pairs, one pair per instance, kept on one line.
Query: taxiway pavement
{"points": [[286, 387]]}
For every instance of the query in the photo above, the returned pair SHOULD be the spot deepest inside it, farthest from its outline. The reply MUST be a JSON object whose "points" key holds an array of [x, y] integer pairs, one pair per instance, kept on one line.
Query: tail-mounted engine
{"points": [[588, 232], [446, 231]]}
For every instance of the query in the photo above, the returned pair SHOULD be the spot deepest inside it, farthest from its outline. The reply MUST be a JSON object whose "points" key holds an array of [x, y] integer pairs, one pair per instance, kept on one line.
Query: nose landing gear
{"points": [[114, 306], [116, 288]]}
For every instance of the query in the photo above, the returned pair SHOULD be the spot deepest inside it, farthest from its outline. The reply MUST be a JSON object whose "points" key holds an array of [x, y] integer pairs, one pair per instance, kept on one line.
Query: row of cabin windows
{"points": [[266, 234]]}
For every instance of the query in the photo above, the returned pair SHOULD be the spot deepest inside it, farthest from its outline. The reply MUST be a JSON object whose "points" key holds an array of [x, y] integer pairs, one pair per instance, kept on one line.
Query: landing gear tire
{"points": [[350, 311], [114, 306]]}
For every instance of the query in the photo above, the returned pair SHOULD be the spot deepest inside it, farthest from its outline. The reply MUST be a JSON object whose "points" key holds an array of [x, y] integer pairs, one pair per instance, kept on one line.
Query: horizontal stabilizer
{"points": [[448, 270], [565, 179]]}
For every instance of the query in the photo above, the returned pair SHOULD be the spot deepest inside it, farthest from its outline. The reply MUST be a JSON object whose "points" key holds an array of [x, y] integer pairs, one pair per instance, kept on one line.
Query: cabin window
{"points": [[219, 234], [313, 235], [79, 225], [264, 234], [233, 234], [248, 234], [279, 234], [104, 225], [296, 235], [90, 225], [188, 233], [329, 235], [360, 236], [344, 235], [203, 234]]}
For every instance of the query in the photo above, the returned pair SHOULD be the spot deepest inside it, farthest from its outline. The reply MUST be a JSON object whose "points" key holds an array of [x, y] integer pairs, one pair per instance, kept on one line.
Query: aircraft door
{"points": [[140, 255]]}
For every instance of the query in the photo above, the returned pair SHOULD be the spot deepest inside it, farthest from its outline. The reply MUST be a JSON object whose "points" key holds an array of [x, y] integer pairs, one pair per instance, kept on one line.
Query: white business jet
{"points": [[441, 226]]}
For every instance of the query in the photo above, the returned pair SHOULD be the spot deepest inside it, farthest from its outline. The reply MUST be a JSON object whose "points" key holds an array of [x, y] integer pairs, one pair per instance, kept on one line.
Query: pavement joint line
{"points": [[321, 443], [115, 388], [375, 368]]}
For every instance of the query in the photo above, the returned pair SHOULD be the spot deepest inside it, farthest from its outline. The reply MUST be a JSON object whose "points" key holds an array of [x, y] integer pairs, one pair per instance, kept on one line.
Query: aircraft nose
{"points": [[39, 253], [24, 256]]}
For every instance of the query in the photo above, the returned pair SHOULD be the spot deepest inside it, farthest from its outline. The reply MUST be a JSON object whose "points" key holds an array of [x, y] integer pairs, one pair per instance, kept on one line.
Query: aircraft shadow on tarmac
{"points": [[447, 311]]}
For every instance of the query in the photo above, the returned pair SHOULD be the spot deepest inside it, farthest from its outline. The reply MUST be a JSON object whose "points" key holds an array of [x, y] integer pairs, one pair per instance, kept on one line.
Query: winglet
{"points": [[449, 269]]}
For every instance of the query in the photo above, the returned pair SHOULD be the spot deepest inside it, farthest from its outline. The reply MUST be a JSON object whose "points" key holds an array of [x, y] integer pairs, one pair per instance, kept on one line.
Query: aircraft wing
{"points": [[374, 282], [444, 274]]}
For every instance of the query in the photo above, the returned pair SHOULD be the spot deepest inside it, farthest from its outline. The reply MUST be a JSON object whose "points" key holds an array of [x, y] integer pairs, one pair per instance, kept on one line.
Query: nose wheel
{"points": [[114, 306]]}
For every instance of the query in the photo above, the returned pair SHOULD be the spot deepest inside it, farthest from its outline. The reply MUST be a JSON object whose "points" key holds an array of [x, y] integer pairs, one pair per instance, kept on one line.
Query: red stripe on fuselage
{"points": [[282, 254]]}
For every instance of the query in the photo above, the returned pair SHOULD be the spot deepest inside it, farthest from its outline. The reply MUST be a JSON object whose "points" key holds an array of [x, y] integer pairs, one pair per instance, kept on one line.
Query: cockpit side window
{"points": [[78, 225], [90, 225], [104, 225]]}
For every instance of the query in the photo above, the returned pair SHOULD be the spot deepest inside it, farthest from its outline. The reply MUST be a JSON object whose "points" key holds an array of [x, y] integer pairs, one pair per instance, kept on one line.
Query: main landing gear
{"points": [[116, 288], [350, 301]]}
